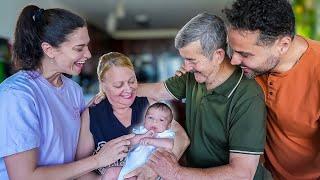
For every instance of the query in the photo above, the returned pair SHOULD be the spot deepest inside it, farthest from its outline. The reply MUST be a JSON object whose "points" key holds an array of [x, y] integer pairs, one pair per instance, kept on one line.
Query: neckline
{"points": [[228, 87], [133, 117]]}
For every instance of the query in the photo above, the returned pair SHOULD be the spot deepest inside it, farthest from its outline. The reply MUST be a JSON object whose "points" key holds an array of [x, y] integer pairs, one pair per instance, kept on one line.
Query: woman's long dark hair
{"points": [[35, 26]]}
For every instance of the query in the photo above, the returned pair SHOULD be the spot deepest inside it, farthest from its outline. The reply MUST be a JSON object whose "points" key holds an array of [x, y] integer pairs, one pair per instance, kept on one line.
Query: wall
{"points": [[10, 9]]}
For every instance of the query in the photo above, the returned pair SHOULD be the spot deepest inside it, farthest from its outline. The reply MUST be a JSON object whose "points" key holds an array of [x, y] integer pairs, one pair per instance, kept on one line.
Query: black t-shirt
{"points": [[105, 126]]}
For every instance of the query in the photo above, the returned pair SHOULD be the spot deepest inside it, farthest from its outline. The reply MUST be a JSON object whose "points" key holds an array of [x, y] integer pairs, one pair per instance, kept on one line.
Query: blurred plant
{"points": [[306, 17]]}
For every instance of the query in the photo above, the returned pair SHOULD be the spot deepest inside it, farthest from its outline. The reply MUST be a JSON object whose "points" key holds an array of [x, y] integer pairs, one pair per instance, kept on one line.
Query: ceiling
{"points": [[134, 19]]}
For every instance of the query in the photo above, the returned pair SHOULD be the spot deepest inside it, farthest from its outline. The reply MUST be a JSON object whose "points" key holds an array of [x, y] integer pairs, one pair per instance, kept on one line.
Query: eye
{"points": [[118, 85], [79, 49], [161, 120], [244, 55], [132, 80]]}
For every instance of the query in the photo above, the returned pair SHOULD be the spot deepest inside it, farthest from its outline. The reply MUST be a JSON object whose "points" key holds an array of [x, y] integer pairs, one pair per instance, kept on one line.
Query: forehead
{"points": [[158, 111], [118, 74], [241, 40], [79, 36], [191, 49]]}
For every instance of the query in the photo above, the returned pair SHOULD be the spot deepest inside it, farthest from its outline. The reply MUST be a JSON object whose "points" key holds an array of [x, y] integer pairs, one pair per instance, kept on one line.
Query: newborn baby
{"points": [[155, 133]]}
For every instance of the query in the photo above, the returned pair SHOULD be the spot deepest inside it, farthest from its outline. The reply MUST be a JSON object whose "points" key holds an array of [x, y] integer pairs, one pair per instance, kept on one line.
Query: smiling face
{"points": [[70, 56], [120, 86], [253, 59], [157, 120], [197, 63]]}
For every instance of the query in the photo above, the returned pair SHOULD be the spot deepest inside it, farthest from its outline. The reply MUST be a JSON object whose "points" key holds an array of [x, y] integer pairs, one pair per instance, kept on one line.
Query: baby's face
{"points": [[157, 120]]}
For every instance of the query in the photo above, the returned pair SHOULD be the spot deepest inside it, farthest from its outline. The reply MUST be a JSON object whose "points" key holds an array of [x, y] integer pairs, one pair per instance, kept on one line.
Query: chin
{"points": [[128, 101], [200, 80]]}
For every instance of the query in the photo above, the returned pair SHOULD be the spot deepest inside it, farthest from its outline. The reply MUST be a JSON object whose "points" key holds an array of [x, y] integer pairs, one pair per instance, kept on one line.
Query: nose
{"points": [[235, 59], [127, 87], [87, 53], [187, 66]]}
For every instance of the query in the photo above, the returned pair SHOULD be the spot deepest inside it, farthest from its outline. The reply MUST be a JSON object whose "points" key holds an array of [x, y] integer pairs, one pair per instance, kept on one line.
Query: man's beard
{"points": [[270, 64]]}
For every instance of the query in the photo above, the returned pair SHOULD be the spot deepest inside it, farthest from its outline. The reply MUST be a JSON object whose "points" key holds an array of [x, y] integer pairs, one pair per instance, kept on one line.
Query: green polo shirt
{"points": [[229, 118]]}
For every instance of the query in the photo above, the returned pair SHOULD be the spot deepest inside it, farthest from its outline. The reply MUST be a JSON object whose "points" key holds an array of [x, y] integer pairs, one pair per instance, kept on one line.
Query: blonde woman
{"points": [[118, 112]]}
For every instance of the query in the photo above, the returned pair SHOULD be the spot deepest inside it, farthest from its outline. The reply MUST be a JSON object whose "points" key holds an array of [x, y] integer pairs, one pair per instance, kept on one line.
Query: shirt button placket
{"points": [[271, 88]]}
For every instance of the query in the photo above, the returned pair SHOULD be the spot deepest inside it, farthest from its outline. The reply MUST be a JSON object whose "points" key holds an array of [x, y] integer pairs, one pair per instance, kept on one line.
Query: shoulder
{"points": [[312, 55], [69, 83], [100, 107], [140, 102], [20, 84], [250, 93], [249, 88]]}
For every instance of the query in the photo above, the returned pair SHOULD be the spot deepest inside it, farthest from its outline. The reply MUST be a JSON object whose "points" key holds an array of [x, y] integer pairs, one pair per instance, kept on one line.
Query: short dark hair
{"points": [[163, 107], [35, 26], [272, 18]]}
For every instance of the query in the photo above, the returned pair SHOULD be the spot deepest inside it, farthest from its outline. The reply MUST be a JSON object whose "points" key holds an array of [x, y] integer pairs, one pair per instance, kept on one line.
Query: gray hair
{"points": [[209, 29]]}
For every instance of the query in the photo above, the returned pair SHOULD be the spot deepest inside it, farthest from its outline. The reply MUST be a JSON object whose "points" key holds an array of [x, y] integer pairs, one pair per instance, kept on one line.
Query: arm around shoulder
{"points": [[154, 91]]}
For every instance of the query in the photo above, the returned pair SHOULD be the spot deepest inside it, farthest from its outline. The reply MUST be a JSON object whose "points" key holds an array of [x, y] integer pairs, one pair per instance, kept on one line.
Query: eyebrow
{"points": [[244, 53], [189, 59], [81, 45]]}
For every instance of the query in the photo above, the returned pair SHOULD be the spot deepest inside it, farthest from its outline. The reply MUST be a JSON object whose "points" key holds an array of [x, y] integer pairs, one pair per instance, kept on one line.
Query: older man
{"points": [[225, 112]]}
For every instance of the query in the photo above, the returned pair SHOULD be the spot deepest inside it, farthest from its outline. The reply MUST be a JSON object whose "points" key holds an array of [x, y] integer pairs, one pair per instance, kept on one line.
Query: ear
{"points": [[48, 50], [218, 56], [283, 44]]}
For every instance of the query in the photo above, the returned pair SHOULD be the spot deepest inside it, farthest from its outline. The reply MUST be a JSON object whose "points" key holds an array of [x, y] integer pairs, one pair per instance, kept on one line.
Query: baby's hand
{"points": [[145, 141], [137, 138], [150, 133]]}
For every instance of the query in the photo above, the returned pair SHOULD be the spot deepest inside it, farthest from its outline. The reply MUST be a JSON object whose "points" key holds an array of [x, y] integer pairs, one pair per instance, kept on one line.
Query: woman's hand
{"points": [[138, 137], [113, 151]]}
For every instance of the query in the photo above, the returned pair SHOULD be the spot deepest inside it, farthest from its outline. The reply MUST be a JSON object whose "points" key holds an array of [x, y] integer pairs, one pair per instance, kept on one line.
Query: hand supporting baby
{"points": [[138, 137]]}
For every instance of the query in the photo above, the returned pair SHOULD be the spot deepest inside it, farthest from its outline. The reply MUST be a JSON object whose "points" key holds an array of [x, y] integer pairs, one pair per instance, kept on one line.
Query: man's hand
{"points": [[96, 99], [142, 173], [181, 71], [164, 164]]}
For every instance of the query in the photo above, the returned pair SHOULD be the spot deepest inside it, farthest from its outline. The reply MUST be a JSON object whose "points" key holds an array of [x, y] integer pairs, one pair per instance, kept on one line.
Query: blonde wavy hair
{"points": [[109, 60]]}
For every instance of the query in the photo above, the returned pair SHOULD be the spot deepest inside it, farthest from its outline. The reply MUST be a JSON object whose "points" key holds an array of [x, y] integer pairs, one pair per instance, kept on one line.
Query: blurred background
{"points": [[142, 29]]}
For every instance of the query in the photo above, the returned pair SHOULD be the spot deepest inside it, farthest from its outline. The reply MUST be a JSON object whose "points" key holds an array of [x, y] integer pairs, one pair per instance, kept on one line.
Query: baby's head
{"points": [[158, 117]]}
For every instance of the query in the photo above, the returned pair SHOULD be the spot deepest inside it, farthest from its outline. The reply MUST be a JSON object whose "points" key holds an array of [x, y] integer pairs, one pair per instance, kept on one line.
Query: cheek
{"points": [[147, 125], [112, 92], [134, 86]]}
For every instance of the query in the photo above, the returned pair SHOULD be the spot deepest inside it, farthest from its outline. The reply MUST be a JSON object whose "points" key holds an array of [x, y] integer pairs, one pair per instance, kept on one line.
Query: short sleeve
{"points": [[176, 86], [19, 123], [247, 127], [82, 102]]}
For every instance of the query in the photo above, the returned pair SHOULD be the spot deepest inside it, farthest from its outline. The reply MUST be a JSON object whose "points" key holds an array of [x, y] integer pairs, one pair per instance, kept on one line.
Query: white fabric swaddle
{"points": [[139, 154]]}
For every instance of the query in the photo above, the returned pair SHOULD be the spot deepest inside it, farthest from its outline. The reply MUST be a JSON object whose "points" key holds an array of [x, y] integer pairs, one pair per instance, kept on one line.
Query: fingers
{"points": [[133, 173], [98, 98], [121, 155], [125, 137], [150, 133], [155, 157], [121, 139], [169, 156], [178, 73]]}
